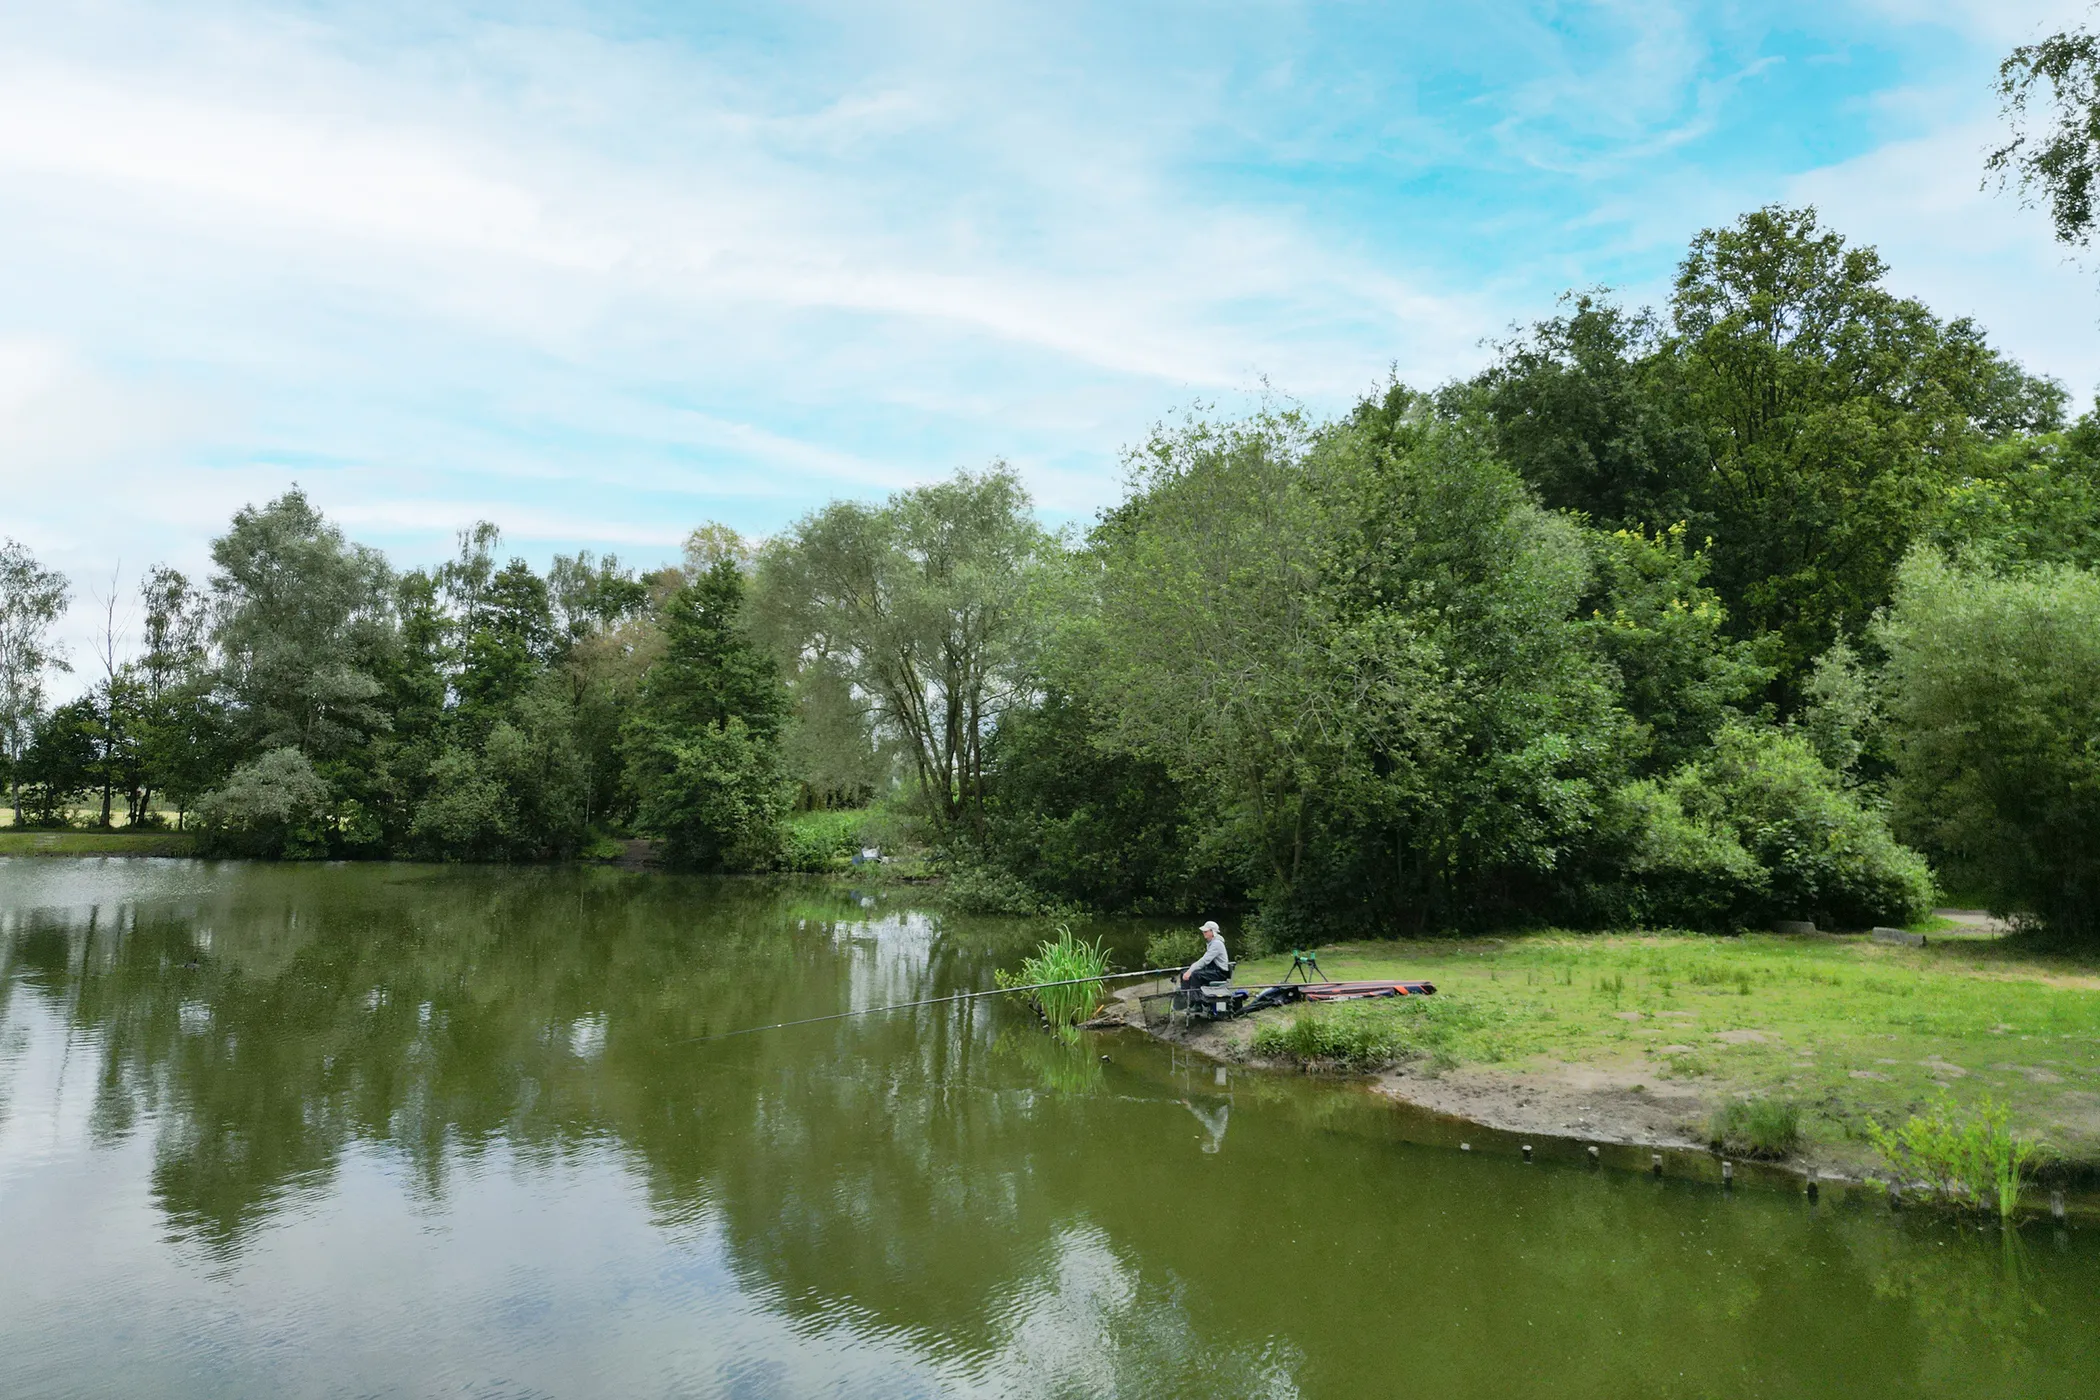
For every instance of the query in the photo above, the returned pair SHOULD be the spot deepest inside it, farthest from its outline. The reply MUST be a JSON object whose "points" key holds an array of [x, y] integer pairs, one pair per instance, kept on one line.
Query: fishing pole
{"points": [[930, 1001]]}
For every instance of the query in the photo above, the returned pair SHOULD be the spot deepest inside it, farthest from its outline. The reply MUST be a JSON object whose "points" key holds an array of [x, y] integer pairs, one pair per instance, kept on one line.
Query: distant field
{"points": [[97, 843]]}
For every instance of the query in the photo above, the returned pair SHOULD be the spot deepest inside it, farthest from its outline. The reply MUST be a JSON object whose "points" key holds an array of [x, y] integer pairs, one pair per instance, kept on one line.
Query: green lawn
{"points": [[1845, 1027], [96, 843]]}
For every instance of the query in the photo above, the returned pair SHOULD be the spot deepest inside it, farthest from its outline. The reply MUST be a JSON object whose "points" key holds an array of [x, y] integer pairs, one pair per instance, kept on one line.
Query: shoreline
{"points": [[1621, 1118]]}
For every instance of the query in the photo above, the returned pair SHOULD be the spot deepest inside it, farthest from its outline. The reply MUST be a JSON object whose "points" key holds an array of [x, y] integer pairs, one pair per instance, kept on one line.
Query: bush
{"points": [[1370, 1035], [817, 842], [1760, 1127], [714, 794], [1347, 1038], [1825, 855], [275, 807], [518, 796], [1993, 695], [1977, 1162], [1175, 947], [973, 888]]}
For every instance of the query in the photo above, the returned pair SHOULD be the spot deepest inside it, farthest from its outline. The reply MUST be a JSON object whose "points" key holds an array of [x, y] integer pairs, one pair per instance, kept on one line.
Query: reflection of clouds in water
{"points": [[1090, 1326], [587, 1037], [1213, 1119]]}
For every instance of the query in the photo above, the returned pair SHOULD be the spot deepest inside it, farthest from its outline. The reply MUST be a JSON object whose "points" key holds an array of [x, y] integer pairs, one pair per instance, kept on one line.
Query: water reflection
{"points": [[416, 1123]]}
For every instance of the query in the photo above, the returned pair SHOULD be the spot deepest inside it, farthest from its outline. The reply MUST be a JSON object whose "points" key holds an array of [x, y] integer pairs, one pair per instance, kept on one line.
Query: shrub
{"points": [[1175, 947], [275, 807], [1993, 694], [1978, 1162], [1367, 1036], [973, 888], [1345, 1037], [816, 842], [714, 793], [1759, 1127], [1825, 854]]}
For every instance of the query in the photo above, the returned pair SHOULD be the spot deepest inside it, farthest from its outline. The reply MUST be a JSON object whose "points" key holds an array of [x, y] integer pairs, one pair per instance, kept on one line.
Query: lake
{"points": [[408, 1130]]}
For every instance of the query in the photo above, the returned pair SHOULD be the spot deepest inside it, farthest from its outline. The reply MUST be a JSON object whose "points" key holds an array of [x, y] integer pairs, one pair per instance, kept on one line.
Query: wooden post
{"points": [[1593, 1154], [1655, 1163], [1811, 1183], [1527, 1151], [1727, 1173]]}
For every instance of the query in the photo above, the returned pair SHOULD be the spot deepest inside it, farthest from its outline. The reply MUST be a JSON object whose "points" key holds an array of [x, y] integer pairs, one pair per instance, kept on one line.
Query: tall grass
{"points": [[1370, 1035], [1069, 959], [1978, 1161], [1759, 1127]]}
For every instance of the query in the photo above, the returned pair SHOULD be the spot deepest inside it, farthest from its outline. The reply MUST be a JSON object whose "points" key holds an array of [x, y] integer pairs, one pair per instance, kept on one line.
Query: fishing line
{"points": [[930, 1001]]}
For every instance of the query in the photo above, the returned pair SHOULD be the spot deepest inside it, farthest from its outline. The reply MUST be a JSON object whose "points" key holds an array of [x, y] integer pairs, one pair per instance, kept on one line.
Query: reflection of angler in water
{"points": [[1213, 1121]]}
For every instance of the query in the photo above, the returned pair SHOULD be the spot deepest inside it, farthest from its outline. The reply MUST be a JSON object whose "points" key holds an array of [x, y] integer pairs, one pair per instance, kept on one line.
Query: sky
{"points": [[602, 272]]}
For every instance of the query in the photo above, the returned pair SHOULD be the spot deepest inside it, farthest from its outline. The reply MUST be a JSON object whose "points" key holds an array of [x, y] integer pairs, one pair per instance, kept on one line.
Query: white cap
{"points": [[1211, 927]]}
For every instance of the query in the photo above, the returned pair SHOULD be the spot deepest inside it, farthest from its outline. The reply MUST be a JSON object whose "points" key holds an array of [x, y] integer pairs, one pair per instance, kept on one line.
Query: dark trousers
{"points": [[1206, 976]]}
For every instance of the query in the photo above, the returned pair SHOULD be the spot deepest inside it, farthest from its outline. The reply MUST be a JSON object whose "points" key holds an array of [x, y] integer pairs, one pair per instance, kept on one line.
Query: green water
{"points": [[370, 1130]]}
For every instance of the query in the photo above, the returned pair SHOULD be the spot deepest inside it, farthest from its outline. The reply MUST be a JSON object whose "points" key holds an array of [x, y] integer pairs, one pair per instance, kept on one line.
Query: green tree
{"points": [[929, 606], [274, 806], [703, 747], [1793, 411], [32, 598], [2054, 153], [1834, 413], [1652, 615], [1993, 692], [1587, 410], [59, 765], [303, 619]]}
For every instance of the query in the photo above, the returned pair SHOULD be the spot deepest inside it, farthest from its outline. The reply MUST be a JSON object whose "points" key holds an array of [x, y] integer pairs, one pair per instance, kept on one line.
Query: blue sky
{"points": [[602, 272]]}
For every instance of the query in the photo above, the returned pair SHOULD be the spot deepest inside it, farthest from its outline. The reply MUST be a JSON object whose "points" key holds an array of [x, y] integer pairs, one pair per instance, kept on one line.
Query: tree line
{"points": [[1773, 602]]}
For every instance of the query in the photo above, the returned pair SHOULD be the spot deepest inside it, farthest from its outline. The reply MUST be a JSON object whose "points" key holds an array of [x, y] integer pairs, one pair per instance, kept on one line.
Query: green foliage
{"points": [[275, 806], [1825, 855], [1841, 714], [2030, 500], [1081, 824], [1069, 960], [2060, 161], [303, 621], [1662, 628], [716, 795], [1370, 1035], [59, 766], [816, 842], [929, 606], [32, 599], [1756, 1127], [1993, 686], [1792, 409], [516, 795], [1174, 947], [1976, 1161], [703, 748]]}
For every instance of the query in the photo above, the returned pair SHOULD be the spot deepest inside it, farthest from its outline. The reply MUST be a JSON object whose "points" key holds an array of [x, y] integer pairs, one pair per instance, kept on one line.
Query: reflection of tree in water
{"points": [[946, 1173]]}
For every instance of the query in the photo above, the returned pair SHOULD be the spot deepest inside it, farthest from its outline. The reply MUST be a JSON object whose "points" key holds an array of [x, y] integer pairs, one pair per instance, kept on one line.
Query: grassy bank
{"points": [[97, 843], [1843, 1029]]}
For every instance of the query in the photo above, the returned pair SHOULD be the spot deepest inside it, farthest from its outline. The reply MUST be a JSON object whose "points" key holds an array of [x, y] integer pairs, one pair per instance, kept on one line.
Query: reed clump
{"points": [[1975, 1161], [1756, 1127], [1068, 959]]}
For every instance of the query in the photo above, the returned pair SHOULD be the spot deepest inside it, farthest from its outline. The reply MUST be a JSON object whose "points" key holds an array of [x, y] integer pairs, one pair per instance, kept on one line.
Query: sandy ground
{"points": [[1585, 1102]]}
